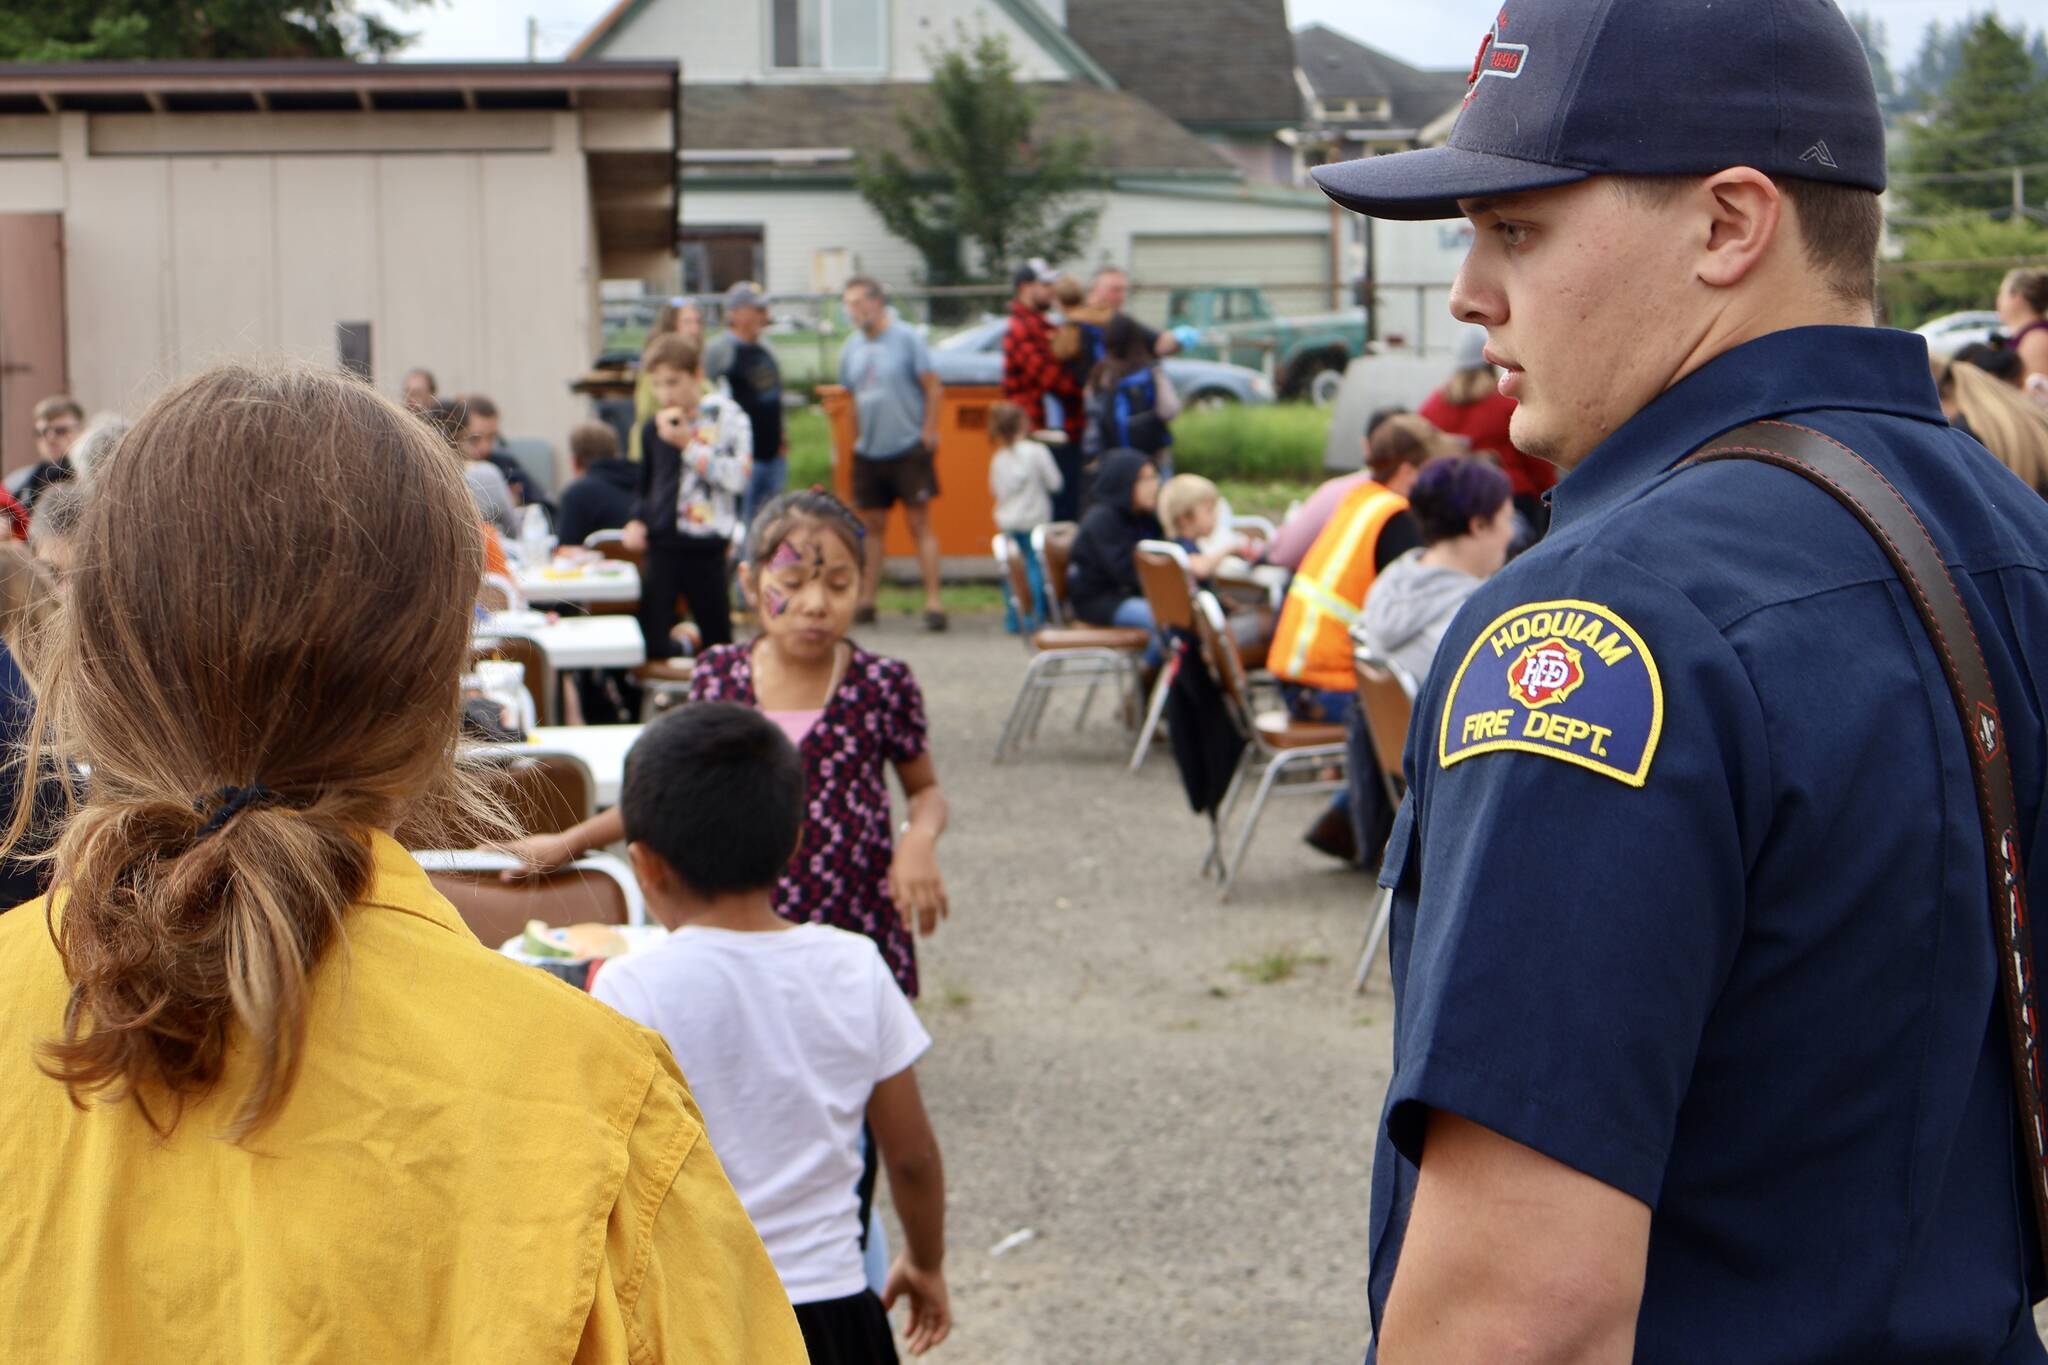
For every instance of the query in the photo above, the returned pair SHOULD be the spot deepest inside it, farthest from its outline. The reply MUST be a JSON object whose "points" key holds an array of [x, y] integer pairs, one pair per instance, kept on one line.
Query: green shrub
{"points": [[810, 446], [1278, 443]]}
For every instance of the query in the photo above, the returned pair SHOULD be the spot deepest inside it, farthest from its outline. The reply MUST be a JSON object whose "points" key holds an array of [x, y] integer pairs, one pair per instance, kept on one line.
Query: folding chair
{"points": [[1170, 591], [500, 593], [1386, 700], [1054, 545], [598, 889], [547, 790], [1277, 746], [1062, 656], [540, 671], [664, 683]]}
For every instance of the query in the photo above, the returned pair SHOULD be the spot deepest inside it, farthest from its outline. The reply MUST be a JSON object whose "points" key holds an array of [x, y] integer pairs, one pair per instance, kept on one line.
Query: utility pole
{"points": [[2019, 192], [532, 37]]}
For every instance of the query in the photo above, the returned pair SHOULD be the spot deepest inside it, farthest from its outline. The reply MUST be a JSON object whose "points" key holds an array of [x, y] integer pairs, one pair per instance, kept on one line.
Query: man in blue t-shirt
{"points": [[888, 370], [1698, 1054]]}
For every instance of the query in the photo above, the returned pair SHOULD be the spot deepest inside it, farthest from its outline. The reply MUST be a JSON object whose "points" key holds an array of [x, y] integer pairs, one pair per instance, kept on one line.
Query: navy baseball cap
{"points": [[1564, 90]]}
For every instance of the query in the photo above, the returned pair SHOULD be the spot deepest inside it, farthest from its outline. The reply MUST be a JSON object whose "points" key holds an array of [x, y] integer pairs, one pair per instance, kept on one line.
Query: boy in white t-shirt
{"points": [[789, 1034]]}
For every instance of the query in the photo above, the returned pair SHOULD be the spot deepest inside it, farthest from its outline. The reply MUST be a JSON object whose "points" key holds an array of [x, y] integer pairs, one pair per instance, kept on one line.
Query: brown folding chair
{"points": [[664, 683], [1054, 543], [1277, 746], [1169, 589], [593, 890], [500, 593], [547, 790], [1061, 656], [540, 671], [1384, 701]]}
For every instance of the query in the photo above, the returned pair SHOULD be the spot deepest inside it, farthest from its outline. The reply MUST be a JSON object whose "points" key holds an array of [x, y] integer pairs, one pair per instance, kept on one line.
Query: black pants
{"points": [[1066, 504], [693, 569], [850, 1331]]}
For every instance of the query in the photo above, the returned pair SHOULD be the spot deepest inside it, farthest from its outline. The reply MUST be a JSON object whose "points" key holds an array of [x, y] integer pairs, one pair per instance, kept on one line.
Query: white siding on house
{"points": [[916, 25], [721, 41], [716, 40], [798, 224]]}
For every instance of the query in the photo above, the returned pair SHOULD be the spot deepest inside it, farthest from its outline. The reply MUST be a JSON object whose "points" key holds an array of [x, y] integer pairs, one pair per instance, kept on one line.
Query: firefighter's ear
{"points": [[1737, 217]]}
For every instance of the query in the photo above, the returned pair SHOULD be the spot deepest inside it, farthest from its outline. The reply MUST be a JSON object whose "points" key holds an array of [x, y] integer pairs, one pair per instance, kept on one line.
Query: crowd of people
{"points": [[242, 878]]}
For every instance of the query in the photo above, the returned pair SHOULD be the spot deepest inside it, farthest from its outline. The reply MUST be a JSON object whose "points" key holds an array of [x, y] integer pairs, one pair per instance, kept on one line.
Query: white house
{"points": [[778, 95]]}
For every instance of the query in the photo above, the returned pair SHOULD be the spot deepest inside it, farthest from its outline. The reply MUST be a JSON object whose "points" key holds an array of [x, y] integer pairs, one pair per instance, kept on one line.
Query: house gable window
{"points": [[828, 35]]}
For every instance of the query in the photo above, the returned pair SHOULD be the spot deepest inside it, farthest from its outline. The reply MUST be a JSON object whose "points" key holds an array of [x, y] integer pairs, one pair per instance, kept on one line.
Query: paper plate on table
{"points": [[516, 620]]}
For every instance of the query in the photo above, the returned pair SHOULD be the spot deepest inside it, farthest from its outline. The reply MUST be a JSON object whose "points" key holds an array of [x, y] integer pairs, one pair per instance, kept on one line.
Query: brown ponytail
{"points": [[272, 586]]}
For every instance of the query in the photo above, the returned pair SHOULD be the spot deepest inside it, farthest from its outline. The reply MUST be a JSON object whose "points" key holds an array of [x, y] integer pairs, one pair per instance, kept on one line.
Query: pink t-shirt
{"points": [[1297, 535], [795, 724]]}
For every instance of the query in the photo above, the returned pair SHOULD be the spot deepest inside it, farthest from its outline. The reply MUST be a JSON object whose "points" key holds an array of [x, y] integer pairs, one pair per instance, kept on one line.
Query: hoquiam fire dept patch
{"points": [[1568, 680]]}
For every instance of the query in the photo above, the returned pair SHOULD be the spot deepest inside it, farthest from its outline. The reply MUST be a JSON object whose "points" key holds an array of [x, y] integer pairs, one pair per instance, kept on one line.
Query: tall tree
{"points": [[980, 188], [1991, 115], [1874, 38], [131, 30]]}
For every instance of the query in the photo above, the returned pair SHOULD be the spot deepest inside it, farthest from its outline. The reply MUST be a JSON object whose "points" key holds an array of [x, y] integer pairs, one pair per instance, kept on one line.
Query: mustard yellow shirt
{"points": [[478, 1164]]}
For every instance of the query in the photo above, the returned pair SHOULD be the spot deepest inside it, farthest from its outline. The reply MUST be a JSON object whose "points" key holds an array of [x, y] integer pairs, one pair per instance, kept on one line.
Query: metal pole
{"points": [[532, 37]]}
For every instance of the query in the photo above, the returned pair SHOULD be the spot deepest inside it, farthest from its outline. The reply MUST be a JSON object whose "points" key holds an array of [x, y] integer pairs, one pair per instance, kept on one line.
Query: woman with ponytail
{"points": [[263, 1096]]}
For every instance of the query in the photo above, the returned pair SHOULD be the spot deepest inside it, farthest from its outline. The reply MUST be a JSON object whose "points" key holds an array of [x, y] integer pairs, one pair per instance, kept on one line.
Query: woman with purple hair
{"points": [[1463, 507]]}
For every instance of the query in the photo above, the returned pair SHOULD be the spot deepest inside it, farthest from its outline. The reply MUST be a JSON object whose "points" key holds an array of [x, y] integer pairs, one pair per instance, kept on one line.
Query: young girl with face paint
{"points": [[850, 713]]}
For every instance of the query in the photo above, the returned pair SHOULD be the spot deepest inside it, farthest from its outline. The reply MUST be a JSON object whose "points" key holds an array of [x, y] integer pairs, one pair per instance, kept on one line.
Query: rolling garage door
{"points": [[1293, 268]]}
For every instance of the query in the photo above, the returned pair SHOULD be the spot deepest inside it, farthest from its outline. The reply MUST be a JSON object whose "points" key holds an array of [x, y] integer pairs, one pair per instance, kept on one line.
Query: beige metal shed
{"points": [[156, 216]]}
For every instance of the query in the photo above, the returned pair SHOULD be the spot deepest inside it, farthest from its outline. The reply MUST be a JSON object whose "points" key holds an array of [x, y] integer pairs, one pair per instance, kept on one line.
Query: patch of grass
{"points": [[959, 599], [1261, 498], [1276, 443], [810, 446], [956, 997], [1269, 969]]}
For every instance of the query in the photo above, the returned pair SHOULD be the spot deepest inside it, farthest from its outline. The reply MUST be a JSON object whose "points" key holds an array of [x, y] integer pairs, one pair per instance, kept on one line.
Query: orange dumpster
{"points": [[964, 513]]}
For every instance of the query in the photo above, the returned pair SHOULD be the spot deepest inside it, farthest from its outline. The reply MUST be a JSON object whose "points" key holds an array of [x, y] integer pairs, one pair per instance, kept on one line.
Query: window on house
{"points": [[715, 258], [828, 35]]}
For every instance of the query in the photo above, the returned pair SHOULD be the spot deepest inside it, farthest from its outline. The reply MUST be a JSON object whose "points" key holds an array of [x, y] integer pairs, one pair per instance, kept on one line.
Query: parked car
{"points": [[1237, 324], [974, 355], [1947, 335]]}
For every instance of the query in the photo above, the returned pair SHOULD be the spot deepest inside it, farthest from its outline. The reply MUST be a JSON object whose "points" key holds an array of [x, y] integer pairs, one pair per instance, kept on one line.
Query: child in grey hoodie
{"points": [[1462, 504]]}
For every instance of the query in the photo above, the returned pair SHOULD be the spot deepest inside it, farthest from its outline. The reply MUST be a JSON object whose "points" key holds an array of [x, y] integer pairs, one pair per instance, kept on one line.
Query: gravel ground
{"points": [[1189, 1143]]}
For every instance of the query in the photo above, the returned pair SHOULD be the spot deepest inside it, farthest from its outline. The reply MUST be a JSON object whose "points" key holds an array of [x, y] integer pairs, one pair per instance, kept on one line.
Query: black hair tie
{"points": [[229, 802]]}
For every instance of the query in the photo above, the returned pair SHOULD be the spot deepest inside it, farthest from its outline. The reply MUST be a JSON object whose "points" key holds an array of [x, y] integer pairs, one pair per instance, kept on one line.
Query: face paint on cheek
{"points": [[774, 600]]}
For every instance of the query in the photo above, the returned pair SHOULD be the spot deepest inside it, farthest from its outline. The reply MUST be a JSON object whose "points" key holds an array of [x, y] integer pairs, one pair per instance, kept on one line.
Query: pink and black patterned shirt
{"points": [[840, 875]]}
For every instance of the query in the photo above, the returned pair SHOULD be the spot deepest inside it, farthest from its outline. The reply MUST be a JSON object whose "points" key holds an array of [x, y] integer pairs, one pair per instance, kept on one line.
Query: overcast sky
{"points": [[1431, 33]]}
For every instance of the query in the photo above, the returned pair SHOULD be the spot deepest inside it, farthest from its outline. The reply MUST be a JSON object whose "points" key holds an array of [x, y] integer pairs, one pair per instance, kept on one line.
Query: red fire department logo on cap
{"points": [[1496, 58], [1545, 673]]}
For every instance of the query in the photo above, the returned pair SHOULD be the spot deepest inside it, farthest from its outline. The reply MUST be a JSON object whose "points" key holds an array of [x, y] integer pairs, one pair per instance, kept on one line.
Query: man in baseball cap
{"points": [[741, 358], [1698, 1050]]}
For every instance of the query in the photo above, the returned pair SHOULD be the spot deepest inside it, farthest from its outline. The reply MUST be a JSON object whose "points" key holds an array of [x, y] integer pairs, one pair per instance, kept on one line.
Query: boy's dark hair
{"points": [[2003, 364], [717, 790], [867, 284], [57, 405], [804, 507], [590, 442], [480, 406], [672, 349]]}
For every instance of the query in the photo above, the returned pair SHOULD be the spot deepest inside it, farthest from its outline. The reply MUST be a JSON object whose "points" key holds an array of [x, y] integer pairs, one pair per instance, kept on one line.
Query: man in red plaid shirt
{"points": [[1031, 375]]}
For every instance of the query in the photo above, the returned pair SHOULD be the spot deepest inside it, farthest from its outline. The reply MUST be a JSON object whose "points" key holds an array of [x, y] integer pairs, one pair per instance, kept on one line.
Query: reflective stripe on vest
{"points": [[1311, 644]]}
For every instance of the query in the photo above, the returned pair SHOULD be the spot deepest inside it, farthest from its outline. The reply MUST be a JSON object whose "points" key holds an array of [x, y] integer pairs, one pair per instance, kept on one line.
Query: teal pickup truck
{"points": [[1237, 325]]}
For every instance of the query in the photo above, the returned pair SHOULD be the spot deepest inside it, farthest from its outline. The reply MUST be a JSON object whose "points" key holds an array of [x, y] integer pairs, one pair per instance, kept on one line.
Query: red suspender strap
{"points": [[1858, 486]]}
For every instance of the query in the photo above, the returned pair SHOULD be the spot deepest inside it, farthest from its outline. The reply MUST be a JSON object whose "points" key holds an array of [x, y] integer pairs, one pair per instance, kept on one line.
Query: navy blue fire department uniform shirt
{"points": [[1690, 889]]}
